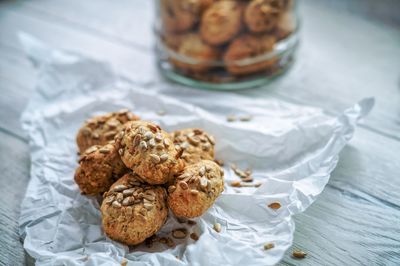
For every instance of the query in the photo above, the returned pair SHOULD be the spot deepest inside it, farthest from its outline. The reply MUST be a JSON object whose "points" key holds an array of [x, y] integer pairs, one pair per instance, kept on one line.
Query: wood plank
{"points": [[337, 66], [14, 166], [356, 220]]}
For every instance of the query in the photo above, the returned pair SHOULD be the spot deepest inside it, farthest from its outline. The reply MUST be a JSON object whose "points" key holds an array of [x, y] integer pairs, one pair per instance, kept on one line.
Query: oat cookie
{"points": [[101, 129], [221, 22], [196, 143], [149, 151], [179, 15], [193, 48], [246, 47], [132, 210], [99, 167], [262, 15], [196, 189]]}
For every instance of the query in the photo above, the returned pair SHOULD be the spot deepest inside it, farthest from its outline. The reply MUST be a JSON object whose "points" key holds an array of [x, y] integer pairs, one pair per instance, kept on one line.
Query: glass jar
{"points": [[225, 44]]}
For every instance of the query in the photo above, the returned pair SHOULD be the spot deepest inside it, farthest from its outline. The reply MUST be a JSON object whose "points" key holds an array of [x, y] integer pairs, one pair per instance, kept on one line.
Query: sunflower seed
{"points": [[274, 205], [183, 176], [203, 182], [116, 204], [163, 157], [148, 135], [137, 139], [183, 185], [110, 135], [194, 236], [236, 184], [298, 254], [148, 206], [113, 123], [119, 197], [128, 192], [247, 179], [171, 189], [194, 192], [159, 147], [119, 188], [128, 201], [143, 145], [206, 147], [91, 150], [154, 158], [268, 246], [152, 143], [153, 128], [197, 131], [185, 145], [217, 227], [104, 150], [142, 130], [180, 233], [149, 197], [194, 140], [202, 170], [211, 139], [231, 118], [179, 154], [109, 200], [166, 143], [158, 137]]}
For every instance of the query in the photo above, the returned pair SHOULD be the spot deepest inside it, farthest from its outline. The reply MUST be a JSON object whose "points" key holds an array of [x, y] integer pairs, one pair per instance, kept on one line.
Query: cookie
{"points": [[133, 211], [149, 152], [101, 129], [179, 15], [197, 56], [197, 144], [221, 22], [262, 15], [196, 189], [99, 167], [247, 47]]}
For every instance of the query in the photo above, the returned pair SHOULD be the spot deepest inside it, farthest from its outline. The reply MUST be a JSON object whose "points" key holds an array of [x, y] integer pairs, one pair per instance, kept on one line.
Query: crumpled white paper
{"points": [[292, 149]]}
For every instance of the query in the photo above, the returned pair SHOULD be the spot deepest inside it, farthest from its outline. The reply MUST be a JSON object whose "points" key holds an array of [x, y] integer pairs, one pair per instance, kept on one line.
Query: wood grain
{"points": [[342, 58]]}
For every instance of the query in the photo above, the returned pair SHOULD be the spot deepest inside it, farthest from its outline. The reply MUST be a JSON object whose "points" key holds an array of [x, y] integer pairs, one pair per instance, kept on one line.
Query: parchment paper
{"points": [[291, 149]]}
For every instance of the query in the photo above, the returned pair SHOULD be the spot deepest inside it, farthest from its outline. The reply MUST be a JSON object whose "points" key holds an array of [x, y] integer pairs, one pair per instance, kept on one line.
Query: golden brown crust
{"points": [[149, 151], [249, 46], [262, 15], [99, 167], [196, 143], [101, 129], [196, 189], [221, 22], [133, 211], [194, 49], [179, 15]]}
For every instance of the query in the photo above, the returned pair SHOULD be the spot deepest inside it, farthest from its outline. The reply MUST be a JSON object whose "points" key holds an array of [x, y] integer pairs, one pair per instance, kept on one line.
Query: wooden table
{"points": [[350, 49]]}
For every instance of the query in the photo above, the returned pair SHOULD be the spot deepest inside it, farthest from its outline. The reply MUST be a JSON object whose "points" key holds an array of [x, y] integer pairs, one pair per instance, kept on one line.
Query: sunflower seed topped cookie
{"points": [[196, 143], [133, 210], [149, 151], [196, 189], [101, 129], [99, 167]]}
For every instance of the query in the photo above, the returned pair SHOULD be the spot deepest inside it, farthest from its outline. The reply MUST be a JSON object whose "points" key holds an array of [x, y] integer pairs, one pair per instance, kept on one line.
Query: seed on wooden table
{"points": [[143, 145], [171, 189], [231, 118], [152, 143], [179, 233], [154, 158], [268, 246], [158, 137], [274, 205], [119, 188], [116, 204], [298, 254], [217, 227], [183, 185], [148, 135], [194, 236], [236, 184], [163, 157], [247, 179]]}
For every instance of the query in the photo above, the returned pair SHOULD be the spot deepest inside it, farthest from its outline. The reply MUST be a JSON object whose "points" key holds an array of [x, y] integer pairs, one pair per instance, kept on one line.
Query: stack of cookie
{"points": [[142, 171], [224, 34]]}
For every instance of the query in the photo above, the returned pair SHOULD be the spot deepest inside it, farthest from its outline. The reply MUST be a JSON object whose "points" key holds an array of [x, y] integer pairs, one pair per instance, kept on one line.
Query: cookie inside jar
{"points": [[226, 44]]}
